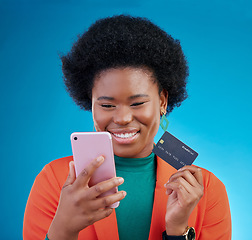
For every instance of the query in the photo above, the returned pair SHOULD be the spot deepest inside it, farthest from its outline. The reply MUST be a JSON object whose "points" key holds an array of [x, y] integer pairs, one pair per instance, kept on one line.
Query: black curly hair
{"points": [[125, 41]]}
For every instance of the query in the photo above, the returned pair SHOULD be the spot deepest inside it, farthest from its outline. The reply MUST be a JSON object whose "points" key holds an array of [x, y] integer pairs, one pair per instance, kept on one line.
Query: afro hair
{"points": [[125, 41]]}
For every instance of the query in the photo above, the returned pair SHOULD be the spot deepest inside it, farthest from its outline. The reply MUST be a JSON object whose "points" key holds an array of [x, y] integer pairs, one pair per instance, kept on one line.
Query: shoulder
{"points": [[44, 197], [215, 194], [211, 181], [56, 170], [59, 164]]}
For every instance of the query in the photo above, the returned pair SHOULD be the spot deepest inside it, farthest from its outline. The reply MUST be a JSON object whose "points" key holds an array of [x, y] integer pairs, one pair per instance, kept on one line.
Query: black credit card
{"points": [[174, 152]]}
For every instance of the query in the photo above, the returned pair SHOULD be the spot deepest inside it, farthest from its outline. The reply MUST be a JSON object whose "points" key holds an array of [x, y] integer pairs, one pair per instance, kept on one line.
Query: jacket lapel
{"points": [[107, 228], [164, 171]]}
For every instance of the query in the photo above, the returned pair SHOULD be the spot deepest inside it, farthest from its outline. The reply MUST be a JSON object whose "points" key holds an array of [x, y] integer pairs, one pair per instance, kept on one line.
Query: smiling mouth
{"points": [[125, 135]]}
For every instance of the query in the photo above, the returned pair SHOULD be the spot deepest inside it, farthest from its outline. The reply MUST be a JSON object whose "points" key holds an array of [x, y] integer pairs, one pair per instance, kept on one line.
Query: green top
{"points": [[135, 211]]}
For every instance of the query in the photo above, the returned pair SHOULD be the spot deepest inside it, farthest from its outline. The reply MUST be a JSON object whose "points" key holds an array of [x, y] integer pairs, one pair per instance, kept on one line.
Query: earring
{"points": [[164, 120]]}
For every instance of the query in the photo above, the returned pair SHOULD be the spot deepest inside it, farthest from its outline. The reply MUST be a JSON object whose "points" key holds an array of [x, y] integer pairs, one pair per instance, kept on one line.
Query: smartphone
{"points": [[87, 146]]}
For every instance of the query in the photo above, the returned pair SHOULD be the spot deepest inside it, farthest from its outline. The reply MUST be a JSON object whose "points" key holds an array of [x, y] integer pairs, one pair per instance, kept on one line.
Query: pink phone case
{"points": [[87, 146]]}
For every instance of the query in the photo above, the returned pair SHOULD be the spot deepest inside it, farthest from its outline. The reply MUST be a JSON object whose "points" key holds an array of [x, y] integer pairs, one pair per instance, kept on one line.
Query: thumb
{"points": [[71, 175]]}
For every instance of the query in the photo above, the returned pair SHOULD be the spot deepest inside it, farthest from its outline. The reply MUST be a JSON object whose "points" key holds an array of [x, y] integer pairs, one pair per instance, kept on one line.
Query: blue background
{"points": [[37, 115]]}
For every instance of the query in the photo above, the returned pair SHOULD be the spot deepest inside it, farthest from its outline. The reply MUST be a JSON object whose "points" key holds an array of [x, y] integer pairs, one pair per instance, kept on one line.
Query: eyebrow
{"points": [[131, 97], [138, 96], [105, 98]]}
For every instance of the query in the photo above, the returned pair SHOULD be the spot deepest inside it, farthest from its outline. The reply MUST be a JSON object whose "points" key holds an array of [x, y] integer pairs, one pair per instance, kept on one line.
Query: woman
{"points": [[129, 72]]}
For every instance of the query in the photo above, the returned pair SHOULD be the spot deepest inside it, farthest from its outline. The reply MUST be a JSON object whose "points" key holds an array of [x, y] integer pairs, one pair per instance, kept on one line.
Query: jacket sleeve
{"points": [[217, 217], [41, 205]]}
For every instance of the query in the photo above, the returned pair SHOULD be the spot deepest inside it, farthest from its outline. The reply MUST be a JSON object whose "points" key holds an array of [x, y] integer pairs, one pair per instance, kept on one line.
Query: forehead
{"points": [[125, 81]]}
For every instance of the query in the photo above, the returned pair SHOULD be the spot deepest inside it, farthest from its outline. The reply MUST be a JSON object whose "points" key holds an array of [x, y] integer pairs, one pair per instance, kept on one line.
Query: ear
{"points": [[163, 101]]}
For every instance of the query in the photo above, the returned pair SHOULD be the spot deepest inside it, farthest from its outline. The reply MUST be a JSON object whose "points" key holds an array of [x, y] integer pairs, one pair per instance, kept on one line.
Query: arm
{"points": [[217, 220], [42, 204], [215, 217], [77, 208]]}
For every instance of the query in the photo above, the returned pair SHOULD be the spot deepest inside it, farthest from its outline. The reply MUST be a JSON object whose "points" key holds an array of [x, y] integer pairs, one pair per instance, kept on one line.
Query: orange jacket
{"points": [[210, 218]]}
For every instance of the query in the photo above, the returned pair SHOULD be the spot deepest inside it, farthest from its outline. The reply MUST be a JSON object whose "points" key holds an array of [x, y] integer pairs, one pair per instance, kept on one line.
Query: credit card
{"points": [[174, 152]]}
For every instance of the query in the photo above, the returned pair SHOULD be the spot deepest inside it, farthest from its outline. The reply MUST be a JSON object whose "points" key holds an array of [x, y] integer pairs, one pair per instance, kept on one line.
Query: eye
{"points": [[137, 104], [107, 105]]}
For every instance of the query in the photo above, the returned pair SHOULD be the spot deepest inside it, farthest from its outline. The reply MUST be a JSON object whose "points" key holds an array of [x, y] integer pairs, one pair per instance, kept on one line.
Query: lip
{"points": [[123, 130], [125, 140]]}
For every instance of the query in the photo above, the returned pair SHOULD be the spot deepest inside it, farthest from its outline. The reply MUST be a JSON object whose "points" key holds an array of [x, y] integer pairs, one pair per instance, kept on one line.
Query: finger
{"points": [[71, 175], [88, 171], [181, 181], [107, 201], [104, 186], [187, 175], [185, 184], [178, 189], [168, 191], [192, 169], [196, 171]]}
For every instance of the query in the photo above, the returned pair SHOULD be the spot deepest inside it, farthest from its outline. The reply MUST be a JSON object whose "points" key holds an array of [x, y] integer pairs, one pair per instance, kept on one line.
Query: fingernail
{"points": [[99, 159], [166, 184], [124, 193], [120, 180]]}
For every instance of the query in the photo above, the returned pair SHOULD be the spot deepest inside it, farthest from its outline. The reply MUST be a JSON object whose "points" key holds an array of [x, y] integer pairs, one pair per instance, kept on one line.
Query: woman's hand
{"points": [[79, 206], [185, 189]]}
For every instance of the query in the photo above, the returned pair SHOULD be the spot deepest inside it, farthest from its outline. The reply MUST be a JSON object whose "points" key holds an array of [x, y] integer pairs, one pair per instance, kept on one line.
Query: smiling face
{"points": [[126, 102]]}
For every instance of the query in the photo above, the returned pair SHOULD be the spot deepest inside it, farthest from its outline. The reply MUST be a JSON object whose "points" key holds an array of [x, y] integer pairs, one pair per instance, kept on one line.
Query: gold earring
{"points": [[162, 112], [164, 119]]}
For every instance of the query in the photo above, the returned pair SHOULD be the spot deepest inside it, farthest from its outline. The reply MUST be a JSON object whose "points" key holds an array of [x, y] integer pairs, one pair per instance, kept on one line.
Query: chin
{"points": [[124, 154], [128, 152]]}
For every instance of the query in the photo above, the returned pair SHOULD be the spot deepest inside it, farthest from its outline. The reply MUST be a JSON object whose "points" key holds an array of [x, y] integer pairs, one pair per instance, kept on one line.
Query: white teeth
{"points": [[125, 135]]}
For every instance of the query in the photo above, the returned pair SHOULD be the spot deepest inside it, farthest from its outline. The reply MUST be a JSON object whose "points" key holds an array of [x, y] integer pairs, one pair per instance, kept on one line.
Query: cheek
{"points": [[150, 117], [100, 120]]}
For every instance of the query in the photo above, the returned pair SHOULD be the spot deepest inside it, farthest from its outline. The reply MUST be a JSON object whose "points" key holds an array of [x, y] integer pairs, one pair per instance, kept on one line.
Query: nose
{"points": [[122, 115]]}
